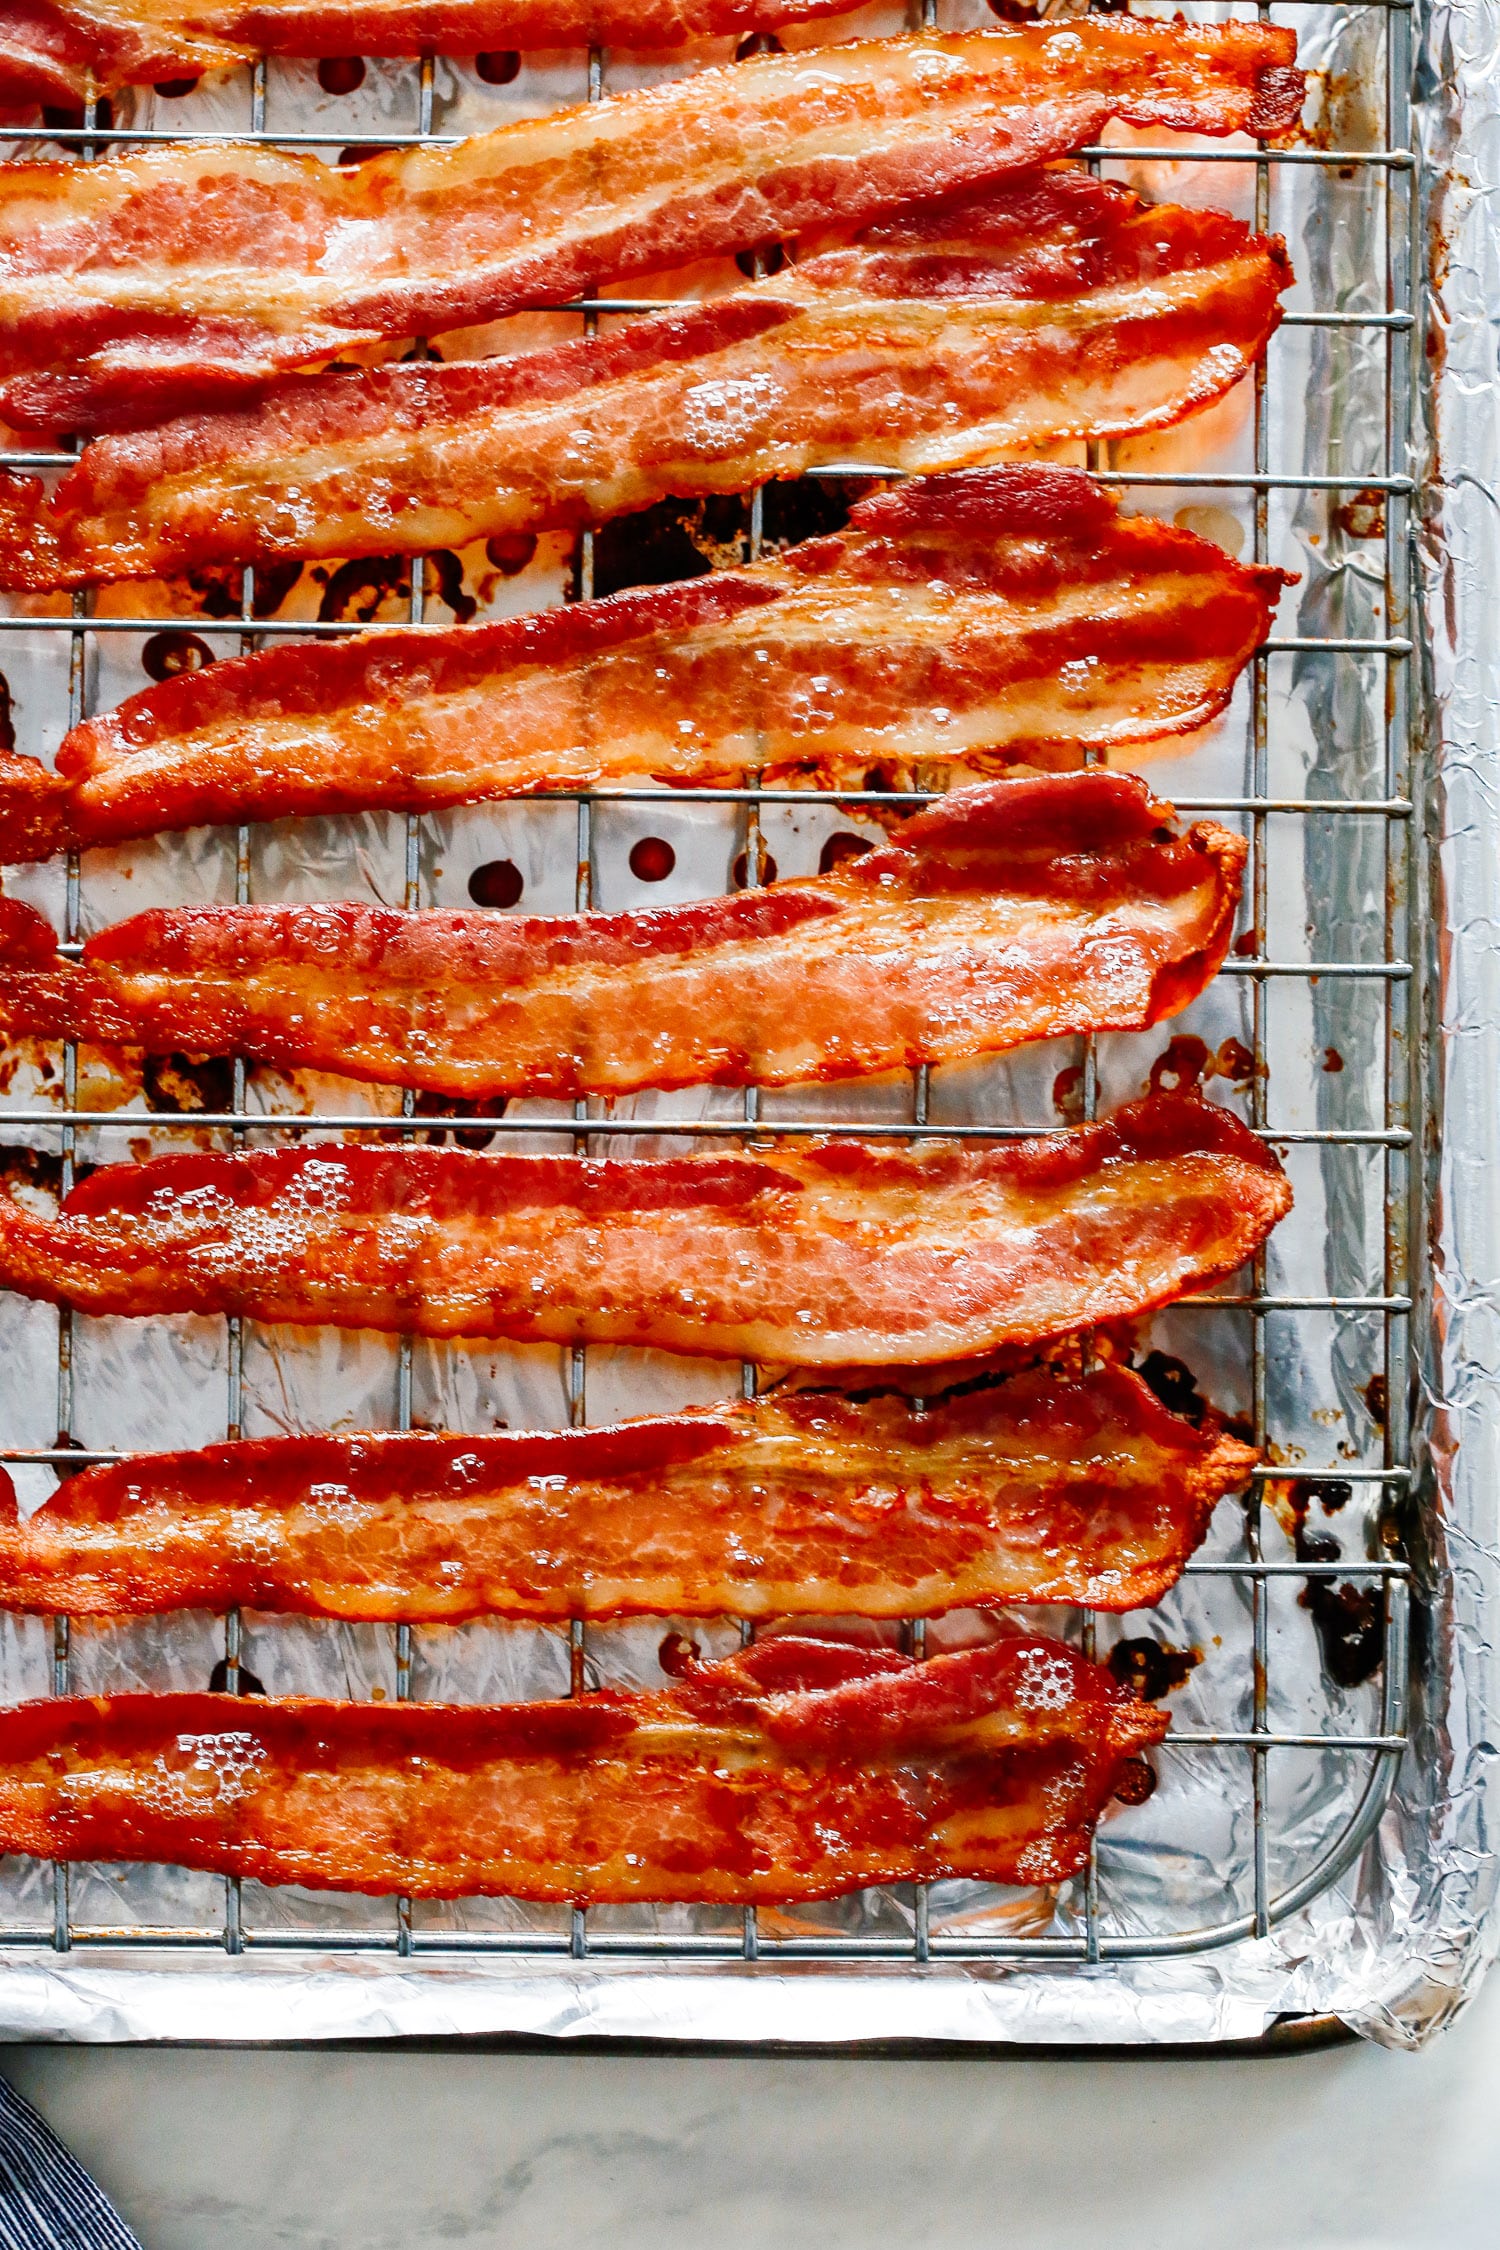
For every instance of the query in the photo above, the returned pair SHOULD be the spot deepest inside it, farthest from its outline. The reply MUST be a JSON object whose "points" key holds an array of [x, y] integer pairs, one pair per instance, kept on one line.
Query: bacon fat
{"points": [[835, 1254], [1042, 1488], [176, 276], [960, 625], [1020, 910], [66, 50], [1059, 306], [796, 1769]]}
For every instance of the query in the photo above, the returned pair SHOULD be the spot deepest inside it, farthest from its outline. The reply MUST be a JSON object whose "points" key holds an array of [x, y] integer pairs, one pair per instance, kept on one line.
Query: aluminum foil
{"points": [[1396, 1942]]}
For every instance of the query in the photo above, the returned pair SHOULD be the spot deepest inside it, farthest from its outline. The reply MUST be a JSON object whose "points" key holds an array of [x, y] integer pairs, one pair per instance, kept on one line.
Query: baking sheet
{"points": [[1397, 1941]]}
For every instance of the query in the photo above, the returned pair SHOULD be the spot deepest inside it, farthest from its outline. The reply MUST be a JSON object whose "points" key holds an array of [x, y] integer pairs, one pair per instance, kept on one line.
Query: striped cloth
{"points": [[47, 2200]]}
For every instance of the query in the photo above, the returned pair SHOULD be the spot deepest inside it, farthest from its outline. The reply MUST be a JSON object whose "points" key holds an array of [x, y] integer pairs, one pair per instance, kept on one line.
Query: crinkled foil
{"points": [[1396, 1942]]}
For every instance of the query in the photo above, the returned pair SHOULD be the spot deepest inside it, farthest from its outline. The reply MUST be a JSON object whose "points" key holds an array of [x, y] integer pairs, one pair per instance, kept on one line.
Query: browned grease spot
{"points": [[449, 1109], [448, 571], [31, 1168], [184, 1083], [1376, 1400], [65, 1442], [1152, 1669], [356, 590], [677, 1654], [843, 845], [218, 590], [1245, 945], [510, 551], [167, 654], [173, 89], [807, 508], [1332, 1059], [670, 540], [68, 118], [1175, 1385], [1181, 1065], [7, 716], [250, 1683], [497, 66], [498, 883], [1067, 1094], [652, 859], [1347, 1615], [341, 74], [742, 876], [1362, 514], [1186, 1063], [771, 258], [1136, 1782]]}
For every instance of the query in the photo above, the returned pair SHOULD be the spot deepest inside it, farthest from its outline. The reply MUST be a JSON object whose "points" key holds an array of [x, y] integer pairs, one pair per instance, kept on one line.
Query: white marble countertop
{"points": [[1350, 2149]]}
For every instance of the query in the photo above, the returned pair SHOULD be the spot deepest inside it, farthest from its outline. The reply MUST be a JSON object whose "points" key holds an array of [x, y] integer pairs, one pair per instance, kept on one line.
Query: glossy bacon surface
{"points": [[795, 1769], [961, 623], [62, 50], [1020, 910], [1038, 1489], [1058, 306], [174, 276], [839, 1253]]}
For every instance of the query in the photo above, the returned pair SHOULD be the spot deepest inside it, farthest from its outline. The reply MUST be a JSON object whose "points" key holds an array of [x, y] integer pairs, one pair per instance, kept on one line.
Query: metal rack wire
{"points": [[1089, 1937]]}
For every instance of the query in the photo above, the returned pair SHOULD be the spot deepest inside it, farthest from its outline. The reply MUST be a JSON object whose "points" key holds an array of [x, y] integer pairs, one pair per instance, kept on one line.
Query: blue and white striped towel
{"points": [[47, 2200]]}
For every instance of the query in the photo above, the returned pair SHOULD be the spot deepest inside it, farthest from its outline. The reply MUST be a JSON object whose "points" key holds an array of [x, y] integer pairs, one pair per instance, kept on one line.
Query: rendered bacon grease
{"points": [[836, 1254], [1021, 910], [1058, 306], [1041, 1488], [67, 50], [164, 277], [960, 623], [796, 1769]]}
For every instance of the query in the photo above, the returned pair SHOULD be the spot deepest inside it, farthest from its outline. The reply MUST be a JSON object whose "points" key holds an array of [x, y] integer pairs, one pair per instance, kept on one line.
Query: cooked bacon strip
{"points": [[191, 272], [1017, 911], [1037, 1489], [64, 50], [836, 1254], [960, 624], [795, 1769], [1058, 306]]}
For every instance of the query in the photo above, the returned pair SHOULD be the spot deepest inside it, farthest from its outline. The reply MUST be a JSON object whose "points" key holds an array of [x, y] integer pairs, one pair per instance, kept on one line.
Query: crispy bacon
{"points": [[1058, 306], [835, 1254], [65, 50], [1037, 1489], [795, 1769], [1017, 911], [177, 276], [960, 624]]}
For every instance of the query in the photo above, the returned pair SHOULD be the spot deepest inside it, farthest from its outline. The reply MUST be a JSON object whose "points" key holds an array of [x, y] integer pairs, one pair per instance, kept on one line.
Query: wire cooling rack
{"points": [[1361, 811]]}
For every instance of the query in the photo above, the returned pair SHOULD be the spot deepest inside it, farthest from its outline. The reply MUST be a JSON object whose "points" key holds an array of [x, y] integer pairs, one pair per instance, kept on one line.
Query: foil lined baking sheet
{"points": [[1366, 1350]]}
